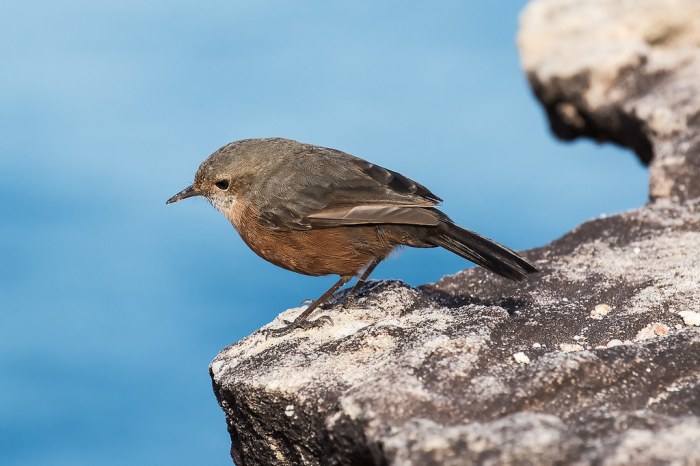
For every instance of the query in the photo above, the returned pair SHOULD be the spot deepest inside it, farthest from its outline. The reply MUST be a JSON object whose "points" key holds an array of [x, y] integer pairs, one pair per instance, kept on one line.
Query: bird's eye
{"points": [[222, 184]]}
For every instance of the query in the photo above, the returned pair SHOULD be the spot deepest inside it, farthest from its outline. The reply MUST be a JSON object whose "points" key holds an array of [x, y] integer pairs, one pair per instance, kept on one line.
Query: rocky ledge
{"points": [[594, 361]]}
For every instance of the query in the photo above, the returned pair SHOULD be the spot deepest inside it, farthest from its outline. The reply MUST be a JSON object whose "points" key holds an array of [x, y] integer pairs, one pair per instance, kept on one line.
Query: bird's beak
{"points": [[184, 194]]}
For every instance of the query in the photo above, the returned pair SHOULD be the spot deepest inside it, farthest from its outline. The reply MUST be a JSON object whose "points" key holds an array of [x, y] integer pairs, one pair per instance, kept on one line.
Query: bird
{"points": [[320, 211]]}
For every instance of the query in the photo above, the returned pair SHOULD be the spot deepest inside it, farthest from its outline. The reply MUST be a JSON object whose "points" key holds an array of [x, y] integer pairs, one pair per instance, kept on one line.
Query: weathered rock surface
{"points": [[625, 71], [594, 361]]}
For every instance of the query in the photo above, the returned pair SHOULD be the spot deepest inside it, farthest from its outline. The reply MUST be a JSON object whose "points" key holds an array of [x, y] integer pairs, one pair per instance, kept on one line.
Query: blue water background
{"points": [[112, 305]]}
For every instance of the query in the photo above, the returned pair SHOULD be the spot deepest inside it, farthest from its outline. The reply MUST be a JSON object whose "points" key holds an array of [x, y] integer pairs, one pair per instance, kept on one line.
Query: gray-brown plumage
{"points": [[320, 211]]}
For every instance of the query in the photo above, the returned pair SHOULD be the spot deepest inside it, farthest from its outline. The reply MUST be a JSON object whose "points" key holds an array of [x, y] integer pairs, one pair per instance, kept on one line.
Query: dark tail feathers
{"points": [[483, 251]]}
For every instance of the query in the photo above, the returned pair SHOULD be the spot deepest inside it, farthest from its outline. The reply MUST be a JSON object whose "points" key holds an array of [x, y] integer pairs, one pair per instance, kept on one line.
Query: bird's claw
{"points": [[290, 326]]}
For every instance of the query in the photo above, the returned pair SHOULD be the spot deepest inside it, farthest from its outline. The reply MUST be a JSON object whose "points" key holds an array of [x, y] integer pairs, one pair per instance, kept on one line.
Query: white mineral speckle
{"points": [[614, 342], [690, 318], [289, 410], [521, 358], [570, 348], [652, 330], [600, 311]]}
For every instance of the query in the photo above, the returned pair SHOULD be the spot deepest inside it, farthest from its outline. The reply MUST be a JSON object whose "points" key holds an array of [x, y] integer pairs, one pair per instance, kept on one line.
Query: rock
{"points": [[622, 71], [690, 317], [601, 310], [594, 360], [427, 375], [521, 358]]}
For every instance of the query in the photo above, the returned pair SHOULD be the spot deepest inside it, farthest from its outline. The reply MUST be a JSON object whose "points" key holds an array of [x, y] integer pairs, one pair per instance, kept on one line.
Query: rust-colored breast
{"points": [[341, 251]]}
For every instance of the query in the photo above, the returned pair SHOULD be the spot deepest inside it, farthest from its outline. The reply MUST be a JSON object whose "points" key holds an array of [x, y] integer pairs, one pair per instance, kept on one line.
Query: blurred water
{"points": [[112, 305]]}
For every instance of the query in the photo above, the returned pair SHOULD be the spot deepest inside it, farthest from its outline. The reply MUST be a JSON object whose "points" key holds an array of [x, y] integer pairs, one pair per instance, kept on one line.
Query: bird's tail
{"points": [[480, 250]]}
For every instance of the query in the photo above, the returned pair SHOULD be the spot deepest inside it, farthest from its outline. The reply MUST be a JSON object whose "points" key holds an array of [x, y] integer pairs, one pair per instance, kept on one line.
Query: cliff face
{"points": [[596, 359]]}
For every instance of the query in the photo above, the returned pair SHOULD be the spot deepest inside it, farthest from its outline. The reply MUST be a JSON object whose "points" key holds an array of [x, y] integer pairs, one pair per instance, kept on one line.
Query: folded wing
{"points": [[354, 192]]}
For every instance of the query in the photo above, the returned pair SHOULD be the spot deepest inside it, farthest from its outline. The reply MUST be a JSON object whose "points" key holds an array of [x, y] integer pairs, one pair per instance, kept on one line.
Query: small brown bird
{"points": [[320, 211]]}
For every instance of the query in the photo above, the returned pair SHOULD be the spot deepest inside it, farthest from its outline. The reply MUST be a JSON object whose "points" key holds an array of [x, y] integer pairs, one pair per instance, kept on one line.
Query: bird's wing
{"points": [[349, 191]]}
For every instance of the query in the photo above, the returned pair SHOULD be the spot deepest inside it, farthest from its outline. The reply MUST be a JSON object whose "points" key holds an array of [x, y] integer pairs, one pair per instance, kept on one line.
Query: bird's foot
{"points": [[293, 325]]}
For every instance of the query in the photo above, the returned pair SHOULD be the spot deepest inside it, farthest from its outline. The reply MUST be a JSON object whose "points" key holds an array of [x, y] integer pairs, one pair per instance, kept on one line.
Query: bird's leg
{"points": [[301, 321], [350, 298]]}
